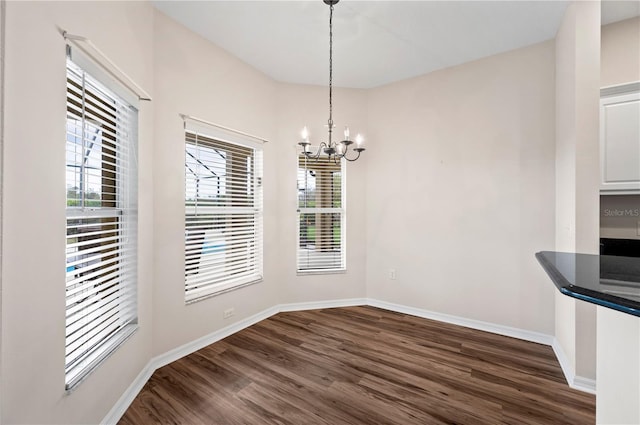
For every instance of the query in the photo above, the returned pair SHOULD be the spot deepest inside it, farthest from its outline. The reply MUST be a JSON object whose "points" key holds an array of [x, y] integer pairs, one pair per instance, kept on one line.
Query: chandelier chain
{"points": [[330, 123], [335, 151]]}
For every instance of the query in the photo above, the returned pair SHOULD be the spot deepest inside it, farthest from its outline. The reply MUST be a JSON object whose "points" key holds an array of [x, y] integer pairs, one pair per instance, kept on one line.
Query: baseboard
{"points": [[314, 305], [536, 337], [584, 384], [114, 415], [157, 362], [193, 346], [128, 396], [576, 382], [565, 364]]}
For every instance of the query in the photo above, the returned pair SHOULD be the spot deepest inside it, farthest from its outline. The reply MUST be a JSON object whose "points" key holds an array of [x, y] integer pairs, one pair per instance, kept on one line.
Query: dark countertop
{"points": [[606, 280]]}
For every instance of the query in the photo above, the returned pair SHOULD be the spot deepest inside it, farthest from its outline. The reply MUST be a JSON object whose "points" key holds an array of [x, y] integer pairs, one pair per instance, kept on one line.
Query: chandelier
{"points": [[333, 150]]}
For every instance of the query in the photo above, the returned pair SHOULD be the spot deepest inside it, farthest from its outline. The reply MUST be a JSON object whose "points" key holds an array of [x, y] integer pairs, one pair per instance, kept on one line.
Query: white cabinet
{"points": [[620, 140]]}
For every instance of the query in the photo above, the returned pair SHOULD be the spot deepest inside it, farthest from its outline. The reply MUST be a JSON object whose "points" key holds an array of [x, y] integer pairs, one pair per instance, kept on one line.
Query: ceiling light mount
{"points": [[333, 150]]}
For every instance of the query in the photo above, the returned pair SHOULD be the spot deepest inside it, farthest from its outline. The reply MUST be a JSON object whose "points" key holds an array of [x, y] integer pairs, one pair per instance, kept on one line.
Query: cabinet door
{"points": [[620, 143]]}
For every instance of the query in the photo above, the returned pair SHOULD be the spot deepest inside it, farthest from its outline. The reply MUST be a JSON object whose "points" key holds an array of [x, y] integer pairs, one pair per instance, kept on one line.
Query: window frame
{"points": [[252, 266], [111, 265], [342, 210]]}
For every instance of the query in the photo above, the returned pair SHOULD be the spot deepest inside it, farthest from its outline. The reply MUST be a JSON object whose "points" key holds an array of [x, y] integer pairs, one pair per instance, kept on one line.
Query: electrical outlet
{"points": [[392, 274], [228, 313]]}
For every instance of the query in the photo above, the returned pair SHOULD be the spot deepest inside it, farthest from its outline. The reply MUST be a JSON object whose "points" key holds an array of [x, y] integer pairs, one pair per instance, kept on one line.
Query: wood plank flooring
{"points": [[362, 365]]}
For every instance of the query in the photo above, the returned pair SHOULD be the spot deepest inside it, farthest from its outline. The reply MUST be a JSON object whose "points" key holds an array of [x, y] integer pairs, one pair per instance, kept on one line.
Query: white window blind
{"points": [[321, 215], [223, 214], [101, 259]]}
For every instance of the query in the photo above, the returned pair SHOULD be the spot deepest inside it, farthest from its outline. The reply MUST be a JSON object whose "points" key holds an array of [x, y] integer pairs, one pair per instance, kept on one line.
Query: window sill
{"points": [[222, 290], [320, 272], [92, 362]]}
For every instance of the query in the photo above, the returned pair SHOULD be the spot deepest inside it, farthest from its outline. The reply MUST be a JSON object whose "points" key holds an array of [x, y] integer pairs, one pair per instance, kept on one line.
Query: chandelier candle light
{"points": [[334, 150]]}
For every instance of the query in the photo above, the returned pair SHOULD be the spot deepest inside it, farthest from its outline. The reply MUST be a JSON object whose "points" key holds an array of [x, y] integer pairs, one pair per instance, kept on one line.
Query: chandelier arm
{"points": [[316, 156], [351, 160]]}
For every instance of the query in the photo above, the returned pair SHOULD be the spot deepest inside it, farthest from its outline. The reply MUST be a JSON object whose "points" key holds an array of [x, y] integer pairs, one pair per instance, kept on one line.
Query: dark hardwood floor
{"points": [[362, 365]]}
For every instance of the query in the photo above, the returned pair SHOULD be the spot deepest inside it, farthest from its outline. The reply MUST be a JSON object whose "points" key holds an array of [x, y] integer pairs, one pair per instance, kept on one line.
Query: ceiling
{"points": [[375, 42]]}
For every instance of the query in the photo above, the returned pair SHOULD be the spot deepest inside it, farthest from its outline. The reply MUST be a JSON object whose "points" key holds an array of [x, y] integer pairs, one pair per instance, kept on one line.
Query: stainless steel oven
{"points": [[620, 247]]}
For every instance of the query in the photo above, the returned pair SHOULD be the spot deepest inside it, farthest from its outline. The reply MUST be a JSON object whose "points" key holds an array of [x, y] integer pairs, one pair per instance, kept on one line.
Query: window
{"points": [[321, 215], [101, 266], [223, 214]]}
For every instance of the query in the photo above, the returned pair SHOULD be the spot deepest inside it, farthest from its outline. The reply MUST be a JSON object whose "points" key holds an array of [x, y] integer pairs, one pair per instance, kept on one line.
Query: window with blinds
{"points": [[101, 267], [321, 215], [223, 215]]}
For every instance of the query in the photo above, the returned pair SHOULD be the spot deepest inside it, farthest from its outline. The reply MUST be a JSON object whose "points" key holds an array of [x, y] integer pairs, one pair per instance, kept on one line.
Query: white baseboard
{"points": [[129, 395], [565, 364], [314, 305], [114, 415], [157, 362], [576, 382], [587, 385], [537, 337], [193, 346]]}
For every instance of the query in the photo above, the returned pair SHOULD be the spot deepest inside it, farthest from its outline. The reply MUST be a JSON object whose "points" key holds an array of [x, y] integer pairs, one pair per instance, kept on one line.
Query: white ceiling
{"points": [[618, 10], [375, 42]]}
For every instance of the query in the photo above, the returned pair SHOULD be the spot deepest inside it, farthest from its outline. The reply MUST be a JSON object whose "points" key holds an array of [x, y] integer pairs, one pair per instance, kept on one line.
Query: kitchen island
{"points": [[605, 280], [613, 283]]}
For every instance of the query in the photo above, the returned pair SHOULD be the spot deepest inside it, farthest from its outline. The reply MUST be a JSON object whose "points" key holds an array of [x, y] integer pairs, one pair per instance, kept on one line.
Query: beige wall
{"points": [[2, 80], [308, 105], [33, 302], [184, 74], [565, 315], [577, 170], [620, 55], [195, 77], [460, 189], [455, 192]]}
